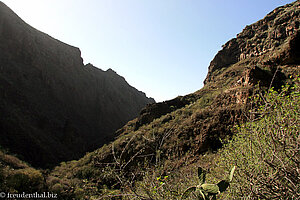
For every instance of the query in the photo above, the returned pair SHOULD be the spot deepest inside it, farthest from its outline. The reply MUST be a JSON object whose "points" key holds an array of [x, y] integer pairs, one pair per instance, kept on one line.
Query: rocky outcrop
{"points": [[276, 36], [53, 107], [156, 110]]}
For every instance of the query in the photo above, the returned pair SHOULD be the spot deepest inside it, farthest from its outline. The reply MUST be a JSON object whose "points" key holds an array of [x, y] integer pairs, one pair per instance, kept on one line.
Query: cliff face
{"points": [[275, 38], [54, 108]]}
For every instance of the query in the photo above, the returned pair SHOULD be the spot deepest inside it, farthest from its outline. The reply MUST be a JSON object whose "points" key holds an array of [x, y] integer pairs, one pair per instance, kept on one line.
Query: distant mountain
{"points": [[53, 107]]}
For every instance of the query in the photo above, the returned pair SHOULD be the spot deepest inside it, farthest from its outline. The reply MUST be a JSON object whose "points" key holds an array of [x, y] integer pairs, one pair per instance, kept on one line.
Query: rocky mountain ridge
{"points": [[262, 38], [54, 107]]}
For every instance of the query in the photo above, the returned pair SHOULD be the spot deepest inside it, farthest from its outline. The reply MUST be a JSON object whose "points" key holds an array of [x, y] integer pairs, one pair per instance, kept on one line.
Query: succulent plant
{"points": [[208, 191]]}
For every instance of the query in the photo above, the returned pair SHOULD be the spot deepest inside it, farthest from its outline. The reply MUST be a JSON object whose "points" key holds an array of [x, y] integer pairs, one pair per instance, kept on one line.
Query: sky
{"points": [[161, 47]]}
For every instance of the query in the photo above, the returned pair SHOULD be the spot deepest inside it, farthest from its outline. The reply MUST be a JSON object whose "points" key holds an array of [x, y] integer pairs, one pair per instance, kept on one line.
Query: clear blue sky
{"points": [[161, 47]]}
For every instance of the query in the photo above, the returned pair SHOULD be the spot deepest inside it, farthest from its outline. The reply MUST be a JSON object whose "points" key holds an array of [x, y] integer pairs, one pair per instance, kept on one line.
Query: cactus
{"points": [[208, 191]]}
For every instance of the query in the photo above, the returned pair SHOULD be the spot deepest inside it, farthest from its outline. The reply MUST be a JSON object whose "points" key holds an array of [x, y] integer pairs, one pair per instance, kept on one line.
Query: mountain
{"points": [[170, 137], [154, 155], [53, 107]]}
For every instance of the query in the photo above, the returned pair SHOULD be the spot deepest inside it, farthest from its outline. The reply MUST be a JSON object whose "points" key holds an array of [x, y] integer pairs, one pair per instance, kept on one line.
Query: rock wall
{"points": [[53, 107], [276, 35]]}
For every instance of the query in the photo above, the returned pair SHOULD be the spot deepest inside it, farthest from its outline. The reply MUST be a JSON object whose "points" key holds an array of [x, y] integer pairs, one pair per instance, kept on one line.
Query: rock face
{"points": [[53, 107], [154, 111], [264, 37]]}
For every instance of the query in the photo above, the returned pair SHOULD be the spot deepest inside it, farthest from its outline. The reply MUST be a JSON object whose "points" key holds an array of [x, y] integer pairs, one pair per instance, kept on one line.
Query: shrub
{"points": [[266, 149], [26, 180], [57, 188]]}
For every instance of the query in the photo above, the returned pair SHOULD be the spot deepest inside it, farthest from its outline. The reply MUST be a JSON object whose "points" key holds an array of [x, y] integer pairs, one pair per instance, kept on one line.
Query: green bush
{"points": [[266, 149], [26, 180], [57, 188]]}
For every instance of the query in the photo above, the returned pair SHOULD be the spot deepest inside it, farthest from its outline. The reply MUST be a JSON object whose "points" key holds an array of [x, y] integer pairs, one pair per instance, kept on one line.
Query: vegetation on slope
{"points": [[17, 177], [156, 161], [266, 150]]}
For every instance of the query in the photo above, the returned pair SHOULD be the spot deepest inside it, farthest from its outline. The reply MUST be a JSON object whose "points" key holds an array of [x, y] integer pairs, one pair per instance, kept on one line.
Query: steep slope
{"points": [[173, 134], [53, 107]]}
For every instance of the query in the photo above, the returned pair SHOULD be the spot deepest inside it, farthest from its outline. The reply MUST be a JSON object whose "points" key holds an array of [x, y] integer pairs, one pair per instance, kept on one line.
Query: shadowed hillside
{"points": [[53, 107]]}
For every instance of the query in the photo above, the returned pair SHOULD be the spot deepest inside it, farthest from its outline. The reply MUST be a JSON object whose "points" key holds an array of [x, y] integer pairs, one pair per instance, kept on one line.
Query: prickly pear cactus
{"points": [[208, 191]]}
